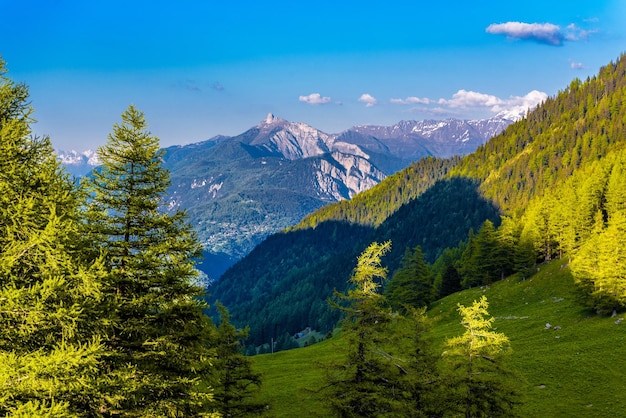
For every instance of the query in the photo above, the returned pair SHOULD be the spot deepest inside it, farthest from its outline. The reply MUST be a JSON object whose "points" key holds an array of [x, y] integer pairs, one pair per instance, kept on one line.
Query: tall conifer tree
{"points": [[158, 334], [48, 350], [368, 383]]}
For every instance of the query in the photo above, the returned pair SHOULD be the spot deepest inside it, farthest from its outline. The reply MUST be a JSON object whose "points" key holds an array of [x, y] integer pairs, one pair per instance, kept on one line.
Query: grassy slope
{"points": [[577, 370]]}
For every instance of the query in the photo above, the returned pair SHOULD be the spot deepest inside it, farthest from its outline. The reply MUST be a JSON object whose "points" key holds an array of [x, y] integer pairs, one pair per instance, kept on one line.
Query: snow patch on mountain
{"points": [[79, 163]]}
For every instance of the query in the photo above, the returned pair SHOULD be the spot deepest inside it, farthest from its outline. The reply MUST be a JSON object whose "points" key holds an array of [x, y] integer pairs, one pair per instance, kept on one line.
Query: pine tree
{"points": [[419, 378], [157, 332], [468, 264], [450, 281], [49, 352], [236, 383], [412, 285], [490, 259], [479, 381]]}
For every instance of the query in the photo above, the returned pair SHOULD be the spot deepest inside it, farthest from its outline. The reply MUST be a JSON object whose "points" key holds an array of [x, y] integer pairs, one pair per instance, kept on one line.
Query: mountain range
{"points": [[550, 186], [238, 190]]}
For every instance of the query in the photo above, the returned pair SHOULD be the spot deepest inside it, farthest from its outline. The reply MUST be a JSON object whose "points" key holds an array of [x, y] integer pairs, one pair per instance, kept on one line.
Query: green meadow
{"points": [[570, 361]]}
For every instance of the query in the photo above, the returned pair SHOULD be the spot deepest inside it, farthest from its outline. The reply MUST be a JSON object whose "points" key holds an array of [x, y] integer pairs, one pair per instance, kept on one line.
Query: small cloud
{"points": [[574, 33], [410, 100], [217, 86], [576, 65], [368, 99], [315, 99], [543, 33], [466, 99], [189, 85]]}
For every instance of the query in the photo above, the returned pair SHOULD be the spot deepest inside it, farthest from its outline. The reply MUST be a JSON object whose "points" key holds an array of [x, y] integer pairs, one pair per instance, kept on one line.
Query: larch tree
{"points": [[480, 385], [368, 383], [49, 349], [157, 333], [598, 267]]}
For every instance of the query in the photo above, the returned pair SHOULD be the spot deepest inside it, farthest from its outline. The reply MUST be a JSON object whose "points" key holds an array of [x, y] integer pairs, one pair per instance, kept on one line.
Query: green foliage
{"points": [[548, 383], [412, 284], [156, 334], [486, 258], [450, 281], [581, 220], [600, 269], [365, 385], [439, 218], [479, 380], [236, 383], [49, 346]]}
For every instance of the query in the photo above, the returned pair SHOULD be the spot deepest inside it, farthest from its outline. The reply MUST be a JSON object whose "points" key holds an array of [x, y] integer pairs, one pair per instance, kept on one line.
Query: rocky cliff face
{"points": [[341, 176]]}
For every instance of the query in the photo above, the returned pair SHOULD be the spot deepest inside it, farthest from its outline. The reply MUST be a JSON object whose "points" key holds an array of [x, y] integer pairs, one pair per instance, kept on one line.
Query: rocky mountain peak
{"points": [[271, 120]]}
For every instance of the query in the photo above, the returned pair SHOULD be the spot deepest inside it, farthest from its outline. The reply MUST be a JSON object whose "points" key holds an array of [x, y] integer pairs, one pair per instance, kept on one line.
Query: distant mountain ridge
{"points": [[238, 190], [78, 163]]}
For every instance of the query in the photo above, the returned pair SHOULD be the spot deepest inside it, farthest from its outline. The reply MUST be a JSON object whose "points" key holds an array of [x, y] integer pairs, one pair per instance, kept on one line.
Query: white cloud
{"points": [[576, 65], [518, 105], [574, 33], [368, 99], [545, 33], [514, 105], [410, 100], [315, 99], [466, 102], [466, 99]]}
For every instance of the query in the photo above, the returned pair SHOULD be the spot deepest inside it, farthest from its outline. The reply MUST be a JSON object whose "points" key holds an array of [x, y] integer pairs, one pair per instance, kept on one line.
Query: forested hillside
{"points": [[308, 264], [373, 206], [566, 135], [577, 127]]}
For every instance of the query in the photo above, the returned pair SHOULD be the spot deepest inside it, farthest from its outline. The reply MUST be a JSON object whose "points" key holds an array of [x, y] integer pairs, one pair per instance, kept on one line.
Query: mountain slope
{"points": [[564, 134], [573, 369], [283, 285], [582, 124], [238, 190]]}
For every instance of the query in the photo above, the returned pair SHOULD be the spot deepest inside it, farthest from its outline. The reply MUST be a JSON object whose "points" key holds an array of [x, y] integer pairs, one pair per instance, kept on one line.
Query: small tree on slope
{"points": [[480, 383], [368, 383], [236, 383]]}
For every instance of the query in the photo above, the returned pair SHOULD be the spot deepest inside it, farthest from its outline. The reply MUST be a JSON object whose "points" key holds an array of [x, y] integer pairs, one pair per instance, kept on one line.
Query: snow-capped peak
{"points": [[79, 163], [513, 114]]}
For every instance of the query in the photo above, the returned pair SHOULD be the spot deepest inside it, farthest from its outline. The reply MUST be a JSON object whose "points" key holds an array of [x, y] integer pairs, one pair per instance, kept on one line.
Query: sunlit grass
{"points": [[574, 368]]}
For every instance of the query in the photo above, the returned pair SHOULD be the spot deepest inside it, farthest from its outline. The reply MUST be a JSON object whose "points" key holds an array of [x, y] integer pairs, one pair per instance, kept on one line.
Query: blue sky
{"points": [[202, 68]]}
